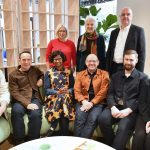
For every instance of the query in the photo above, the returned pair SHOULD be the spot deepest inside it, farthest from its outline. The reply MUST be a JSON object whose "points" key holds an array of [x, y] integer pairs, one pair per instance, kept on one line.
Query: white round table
{"points": [[62, 143]]}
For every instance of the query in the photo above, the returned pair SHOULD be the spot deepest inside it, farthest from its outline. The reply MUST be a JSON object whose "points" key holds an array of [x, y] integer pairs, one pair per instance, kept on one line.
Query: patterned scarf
{"points": [[91, 36]]}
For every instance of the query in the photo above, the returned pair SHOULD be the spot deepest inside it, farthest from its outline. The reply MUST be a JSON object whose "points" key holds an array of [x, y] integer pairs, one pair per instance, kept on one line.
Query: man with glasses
{"points": [[127, 36], [90, 91]]}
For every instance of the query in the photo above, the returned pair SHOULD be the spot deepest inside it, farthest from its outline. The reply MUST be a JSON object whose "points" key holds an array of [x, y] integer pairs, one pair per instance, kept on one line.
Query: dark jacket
{"points": [[22, 85], [126, 89], [144, 101], [81, 56], [135, 41]]}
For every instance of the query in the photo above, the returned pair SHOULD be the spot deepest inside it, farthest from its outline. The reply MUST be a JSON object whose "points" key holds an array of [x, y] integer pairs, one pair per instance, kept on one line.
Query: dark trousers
{"points": [[64, 125], [34, 125], [85, 122], [141, 140], [125, 129]]}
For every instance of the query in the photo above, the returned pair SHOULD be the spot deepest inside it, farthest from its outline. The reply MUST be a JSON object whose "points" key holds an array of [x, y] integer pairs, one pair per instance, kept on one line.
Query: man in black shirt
{"points": [[122, 102]]}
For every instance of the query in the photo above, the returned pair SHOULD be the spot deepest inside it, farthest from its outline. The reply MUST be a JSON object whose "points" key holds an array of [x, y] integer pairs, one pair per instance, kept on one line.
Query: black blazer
{"points": [[81, 56], [144, 101], [135, 40]]}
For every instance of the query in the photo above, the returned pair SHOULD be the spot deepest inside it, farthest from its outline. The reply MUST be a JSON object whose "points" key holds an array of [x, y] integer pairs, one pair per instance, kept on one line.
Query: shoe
{"points": [[49, 133]]}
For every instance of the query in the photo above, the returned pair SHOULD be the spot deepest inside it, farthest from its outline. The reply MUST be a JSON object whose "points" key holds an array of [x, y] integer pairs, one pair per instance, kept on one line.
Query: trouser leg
{"points": [[17, 113], [124, 131], [64, 126], [35, 120], [91, 121], [80, 120], [139, 136], [105, 122], [147, 142]]}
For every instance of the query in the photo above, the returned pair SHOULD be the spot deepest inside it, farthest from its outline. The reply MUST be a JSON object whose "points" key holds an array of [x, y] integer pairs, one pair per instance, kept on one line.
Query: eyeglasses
{"points": [[57, 59]]}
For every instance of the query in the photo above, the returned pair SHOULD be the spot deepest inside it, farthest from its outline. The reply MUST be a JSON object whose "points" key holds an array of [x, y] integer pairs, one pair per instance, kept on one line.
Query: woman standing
{"points": [[58, 85], [63, 44], [90, 43]]}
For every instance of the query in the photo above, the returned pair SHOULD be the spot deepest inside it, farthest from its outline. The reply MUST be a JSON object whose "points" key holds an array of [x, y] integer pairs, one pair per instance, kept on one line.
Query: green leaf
{"points": [[108, 22], [82, 22], [99, 26], [93, 10], [84, 12]]}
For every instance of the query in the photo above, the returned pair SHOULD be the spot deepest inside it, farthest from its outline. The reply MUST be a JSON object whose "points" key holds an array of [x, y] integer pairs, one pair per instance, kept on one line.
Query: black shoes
{"points": [[50, 133]]}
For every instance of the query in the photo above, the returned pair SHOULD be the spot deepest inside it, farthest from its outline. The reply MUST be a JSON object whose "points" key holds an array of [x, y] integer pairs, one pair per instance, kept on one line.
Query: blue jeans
{"points": [[34, 125], [85, 122]]}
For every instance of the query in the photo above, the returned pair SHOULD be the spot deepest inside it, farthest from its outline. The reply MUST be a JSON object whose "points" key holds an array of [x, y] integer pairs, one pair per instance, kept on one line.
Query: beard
{"points": [[129, 67]]}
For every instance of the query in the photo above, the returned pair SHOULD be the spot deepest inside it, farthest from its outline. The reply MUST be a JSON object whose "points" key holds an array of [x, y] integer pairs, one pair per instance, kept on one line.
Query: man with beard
{"points": [[122, 102]]}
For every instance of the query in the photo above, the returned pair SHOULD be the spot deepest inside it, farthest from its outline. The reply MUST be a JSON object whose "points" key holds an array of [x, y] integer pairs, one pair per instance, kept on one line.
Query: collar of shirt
{"points": [[92, 75], [125, 28], [132, 75]]}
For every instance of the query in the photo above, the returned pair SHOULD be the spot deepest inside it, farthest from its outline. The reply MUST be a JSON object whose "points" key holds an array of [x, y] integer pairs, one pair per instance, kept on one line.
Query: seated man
{"points": [[90, 91], [141, 140], [4, 94], [122, 101], [23, 83]]}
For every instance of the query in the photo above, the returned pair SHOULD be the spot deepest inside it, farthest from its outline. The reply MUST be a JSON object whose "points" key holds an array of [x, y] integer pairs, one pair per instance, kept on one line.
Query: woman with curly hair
{"points": [[58, 85]]}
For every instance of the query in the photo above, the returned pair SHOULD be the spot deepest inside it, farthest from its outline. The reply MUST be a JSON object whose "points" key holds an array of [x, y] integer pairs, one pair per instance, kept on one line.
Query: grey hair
{"points": [[92, 19]]}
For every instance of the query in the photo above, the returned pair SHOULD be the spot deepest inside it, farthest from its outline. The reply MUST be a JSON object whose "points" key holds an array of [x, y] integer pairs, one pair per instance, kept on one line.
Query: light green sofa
{"points": [[4, 129]]}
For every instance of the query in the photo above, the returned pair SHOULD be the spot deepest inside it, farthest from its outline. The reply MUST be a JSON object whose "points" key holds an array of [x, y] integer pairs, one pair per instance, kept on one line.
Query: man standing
{"points": [[122, 100], [90, 91], [128, 36], [23, 84]]}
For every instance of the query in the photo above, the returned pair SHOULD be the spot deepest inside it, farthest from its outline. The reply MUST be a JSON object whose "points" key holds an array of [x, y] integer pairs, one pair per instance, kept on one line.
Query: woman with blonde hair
{"points": [[62, 43]]}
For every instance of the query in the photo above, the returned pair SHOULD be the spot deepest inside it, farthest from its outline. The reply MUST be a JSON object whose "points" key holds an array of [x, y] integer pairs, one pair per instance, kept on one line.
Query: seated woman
{"points": [[58, 85], [141, 139]]}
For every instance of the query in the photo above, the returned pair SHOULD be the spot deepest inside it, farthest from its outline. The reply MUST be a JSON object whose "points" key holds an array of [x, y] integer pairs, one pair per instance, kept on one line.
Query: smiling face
{"points": [[130, 62], [90, 25], [92, 62], [58, 61], [126, 17], [25, 61], [62, 33]]}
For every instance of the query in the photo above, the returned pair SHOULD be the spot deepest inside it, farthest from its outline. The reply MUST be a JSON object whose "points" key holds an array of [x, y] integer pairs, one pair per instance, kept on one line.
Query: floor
{"points": [[6, 144]]}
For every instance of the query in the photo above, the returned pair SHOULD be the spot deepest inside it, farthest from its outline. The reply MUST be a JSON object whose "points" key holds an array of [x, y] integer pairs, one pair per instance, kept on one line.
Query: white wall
{"points": [[141, 17]]}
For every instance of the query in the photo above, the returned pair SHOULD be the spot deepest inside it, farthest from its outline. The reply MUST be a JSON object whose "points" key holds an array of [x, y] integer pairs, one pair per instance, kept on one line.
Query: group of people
{"points": [[109, 87]]}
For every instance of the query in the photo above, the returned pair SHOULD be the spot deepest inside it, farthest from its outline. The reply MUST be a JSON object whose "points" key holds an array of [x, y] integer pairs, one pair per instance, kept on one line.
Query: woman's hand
{"points": [[63, 91]]}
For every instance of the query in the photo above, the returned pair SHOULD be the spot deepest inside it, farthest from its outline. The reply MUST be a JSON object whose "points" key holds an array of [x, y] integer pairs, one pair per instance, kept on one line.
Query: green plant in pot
{"points": [[108, 23]]}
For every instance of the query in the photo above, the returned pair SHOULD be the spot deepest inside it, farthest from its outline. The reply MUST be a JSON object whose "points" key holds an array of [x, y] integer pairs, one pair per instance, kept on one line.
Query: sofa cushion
{"points": [[4, 129]]}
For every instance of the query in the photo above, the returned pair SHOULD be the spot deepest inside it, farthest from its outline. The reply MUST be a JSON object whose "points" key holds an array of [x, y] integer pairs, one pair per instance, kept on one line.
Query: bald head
{"points": [[91, 57], [92, 62]]}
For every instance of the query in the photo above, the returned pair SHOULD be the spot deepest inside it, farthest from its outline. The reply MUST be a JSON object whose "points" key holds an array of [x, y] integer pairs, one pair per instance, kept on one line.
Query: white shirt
{"points": [[4, 93], [120, 44]]}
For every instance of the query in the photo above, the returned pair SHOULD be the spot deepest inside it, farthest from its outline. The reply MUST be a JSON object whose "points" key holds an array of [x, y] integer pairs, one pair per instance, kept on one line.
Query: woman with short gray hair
{"points": [[90, 43]]}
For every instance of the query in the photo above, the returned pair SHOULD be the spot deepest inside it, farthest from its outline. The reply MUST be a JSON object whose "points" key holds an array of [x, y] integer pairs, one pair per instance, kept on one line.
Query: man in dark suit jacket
{"points": [[128, 36]]}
